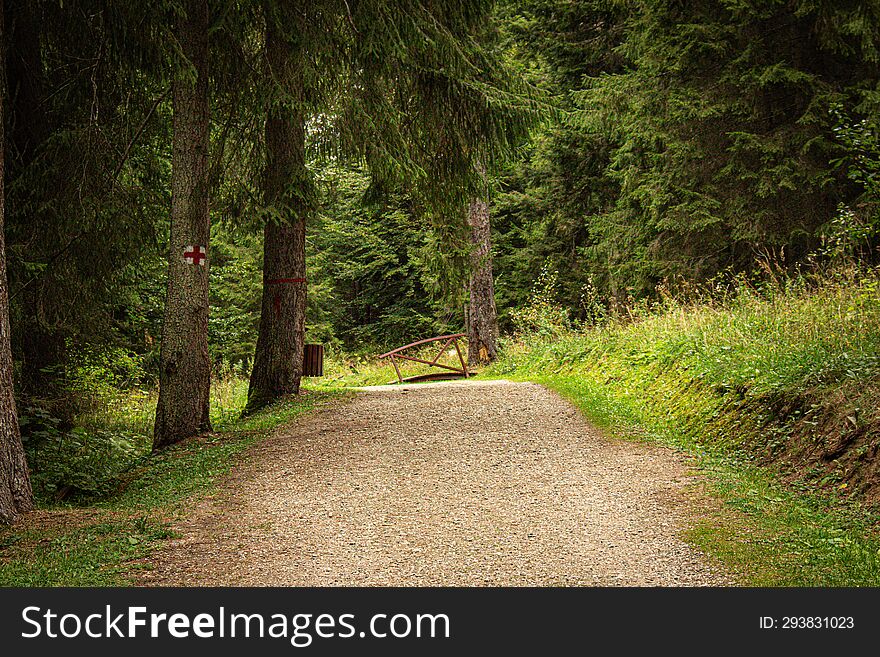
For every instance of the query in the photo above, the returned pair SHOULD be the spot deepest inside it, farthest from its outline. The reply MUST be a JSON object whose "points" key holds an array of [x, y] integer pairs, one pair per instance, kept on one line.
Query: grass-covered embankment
{"points": [[97, 539], [775, 391]]}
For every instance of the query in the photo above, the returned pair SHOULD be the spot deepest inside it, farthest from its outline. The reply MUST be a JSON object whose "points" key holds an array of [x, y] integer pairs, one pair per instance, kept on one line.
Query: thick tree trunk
{"points": [[279, 352], [185, 366], [482, 324], [15, 483]]}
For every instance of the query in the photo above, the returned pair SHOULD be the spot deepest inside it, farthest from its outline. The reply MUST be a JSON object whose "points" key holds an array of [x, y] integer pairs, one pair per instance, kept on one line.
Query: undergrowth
{"points": [[112, 431], [773, 389]]}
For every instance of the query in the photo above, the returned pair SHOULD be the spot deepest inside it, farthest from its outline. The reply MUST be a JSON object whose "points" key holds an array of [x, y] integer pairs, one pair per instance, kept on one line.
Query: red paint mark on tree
{"points": [[276, 298], [195, 255]]}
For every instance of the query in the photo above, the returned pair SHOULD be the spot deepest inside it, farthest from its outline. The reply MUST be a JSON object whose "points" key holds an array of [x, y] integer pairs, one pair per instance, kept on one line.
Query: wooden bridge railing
{"points": [[394, 354]]}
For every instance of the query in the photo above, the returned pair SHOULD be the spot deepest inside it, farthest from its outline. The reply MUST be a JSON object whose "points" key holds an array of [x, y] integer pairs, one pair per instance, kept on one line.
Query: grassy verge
{"points": [[95, 540], [774, 392]]}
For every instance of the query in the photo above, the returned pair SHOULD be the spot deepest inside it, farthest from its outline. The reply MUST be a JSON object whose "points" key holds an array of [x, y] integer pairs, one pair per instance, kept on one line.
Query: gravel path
{"points": [[459, 483]]}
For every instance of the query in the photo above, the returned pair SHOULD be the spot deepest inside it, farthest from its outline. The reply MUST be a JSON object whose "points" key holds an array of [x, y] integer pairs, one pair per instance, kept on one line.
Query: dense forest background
{"points": [[673, 145]]}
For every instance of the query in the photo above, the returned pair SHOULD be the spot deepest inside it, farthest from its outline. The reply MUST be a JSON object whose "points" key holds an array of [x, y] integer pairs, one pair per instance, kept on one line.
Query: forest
{"points": [[668, 212]]}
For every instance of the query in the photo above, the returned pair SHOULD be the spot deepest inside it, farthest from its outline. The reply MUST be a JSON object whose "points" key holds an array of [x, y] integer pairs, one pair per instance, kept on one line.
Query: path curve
{"points": [[454, 484]]}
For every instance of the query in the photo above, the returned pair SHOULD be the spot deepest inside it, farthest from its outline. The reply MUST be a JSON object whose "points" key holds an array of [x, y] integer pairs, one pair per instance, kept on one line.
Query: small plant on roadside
{"points": [[542, 316]]}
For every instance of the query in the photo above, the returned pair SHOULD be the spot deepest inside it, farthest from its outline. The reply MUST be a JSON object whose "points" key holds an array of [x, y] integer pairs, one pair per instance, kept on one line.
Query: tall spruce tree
{"points": [[185, 367], [15, 485], [482, 320], [279, 351], [85, 182]]}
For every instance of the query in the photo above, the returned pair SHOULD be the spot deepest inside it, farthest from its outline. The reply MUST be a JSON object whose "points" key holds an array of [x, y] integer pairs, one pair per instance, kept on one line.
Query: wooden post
{"points": [[396, 369]]}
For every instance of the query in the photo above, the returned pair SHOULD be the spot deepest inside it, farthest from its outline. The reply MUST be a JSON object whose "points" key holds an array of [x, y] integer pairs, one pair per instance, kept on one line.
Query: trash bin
{"points": [[313, 360]]}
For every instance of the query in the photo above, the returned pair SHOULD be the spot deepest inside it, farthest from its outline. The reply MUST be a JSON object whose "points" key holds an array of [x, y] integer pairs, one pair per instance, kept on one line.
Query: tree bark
{"points": [[15, 484], [482, 320], [185, 366], [279, 352]]}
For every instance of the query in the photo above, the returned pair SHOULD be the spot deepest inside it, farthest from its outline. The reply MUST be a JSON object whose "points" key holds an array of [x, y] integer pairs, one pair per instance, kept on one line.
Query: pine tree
{"points": [[482, 318], [185, 367], [279, 351], [699, 136], [85, 181]]}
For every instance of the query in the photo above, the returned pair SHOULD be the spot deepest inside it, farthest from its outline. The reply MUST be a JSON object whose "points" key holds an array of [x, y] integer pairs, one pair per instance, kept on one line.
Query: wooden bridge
{"points": [[451, 371]]}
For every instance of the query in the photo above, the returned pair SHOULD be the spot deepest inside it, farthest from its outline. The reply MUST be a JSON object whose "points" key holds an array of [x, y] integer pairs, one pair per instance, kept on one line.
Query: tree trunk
{"points": [[185, 367], [286, 192], [482, 320], [15, 483]]}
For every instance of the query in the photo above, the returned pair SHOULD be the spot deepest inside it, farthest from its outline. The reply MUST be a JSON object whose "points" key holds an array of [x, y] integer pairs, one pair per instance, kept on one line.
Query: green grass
{"points": [[112, 434], [93, 554], [181, 471], [96, 540], [774, 536], [131, 411], [773, 391]]}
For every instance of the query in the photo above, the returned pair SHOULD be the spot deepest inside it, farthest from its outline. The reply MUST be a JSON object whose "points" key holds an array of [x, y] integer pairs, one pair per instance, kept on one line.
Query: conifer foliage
{"points": [[699, 136], [286, 196], [410, 90]]}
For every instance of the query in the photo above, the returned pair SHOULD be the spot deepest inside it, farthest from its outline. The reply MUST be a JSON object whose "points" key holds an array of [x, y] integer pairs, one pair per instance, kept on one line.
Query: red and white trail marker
{"points": [[195, 255]]}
